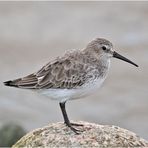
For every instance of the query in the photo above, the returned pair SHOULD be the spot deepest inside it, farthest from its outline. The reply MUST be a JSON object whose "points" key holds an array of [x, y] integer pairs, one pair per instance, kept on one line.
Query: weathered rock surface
{"points": [[93, 135]]}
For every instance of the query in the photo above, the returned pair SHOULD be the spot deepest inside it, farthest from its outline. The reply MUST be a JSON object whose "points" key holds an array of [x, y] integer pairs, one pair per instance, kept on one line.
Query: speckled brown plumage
{"points": [[72, 70]]}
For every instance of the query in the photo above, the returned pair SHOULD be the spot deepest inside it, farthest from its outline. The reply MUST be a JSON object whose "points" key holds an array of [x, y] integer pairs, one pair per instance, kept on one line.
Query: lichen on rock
{"points": [[93, 135]]}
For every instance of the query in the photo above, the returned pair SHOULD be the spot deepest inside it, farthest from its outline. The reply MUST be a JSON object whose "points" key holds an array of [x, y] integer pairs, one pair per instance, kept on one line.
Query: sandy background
{"points": [[32, 33]]}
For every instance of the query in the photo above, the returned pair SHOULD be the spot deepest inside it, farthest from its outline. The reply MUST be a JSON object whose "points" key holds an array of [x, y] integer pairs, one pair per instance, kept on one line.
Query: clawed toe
{"points": [[77, 131], [76, 124]]}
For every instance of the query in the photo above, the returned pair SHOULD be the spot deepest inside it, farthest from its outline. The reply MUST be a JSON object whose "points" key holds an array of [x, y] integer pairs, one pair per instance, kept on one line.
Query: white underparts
{"points": [[67, 94], [89, 88]]}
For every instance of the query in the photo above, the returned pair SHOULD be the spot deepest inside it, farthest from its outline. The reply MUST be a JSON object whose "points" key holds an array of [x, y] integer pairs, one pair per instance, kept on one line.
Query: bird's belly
{"points": [[69, 94]]}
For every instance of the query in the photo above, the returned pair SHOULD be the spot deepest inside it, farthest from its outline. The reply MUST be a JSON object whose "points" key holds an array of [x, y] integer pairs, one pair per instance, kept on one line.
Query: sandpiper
{"points": [[76, 74]]}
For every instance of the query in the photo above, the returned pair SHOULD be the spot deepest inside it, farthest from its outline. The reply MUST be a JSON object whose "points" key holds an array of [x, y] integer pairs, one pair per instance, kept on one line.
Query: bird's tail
{"points": [[28, 82], [12, 83]]}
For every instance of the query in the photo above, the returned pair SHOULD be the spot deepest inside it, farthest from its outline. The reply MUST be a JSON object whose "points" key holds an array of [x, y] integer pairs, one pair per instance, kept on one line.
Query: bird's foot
{"points": [[76, 124], [77, 131]]}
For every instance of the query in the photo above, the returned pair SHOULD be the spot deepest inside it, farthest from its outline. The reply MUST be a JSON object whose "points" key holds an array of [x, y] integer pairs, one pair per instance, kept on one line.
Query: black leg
{"points": [[66, 120]]}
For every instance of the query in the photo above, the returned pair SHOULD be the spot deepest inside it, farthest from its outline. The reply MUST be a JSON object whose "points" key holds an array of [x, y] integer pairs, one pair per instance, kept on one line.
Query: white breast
{"points": [[68, 94]]}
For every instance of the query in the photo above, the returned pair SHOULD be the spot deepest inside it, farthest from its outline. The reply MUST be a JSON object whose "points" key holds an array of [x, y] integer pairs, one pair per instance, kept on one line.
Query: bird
{"points": [[74, 75]]}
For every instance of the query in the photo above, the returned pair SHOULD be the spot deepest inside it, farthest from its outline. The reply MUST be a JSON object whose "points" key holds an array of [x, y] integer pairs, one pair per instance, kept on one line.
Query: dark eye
{"points": [[104, 47]]}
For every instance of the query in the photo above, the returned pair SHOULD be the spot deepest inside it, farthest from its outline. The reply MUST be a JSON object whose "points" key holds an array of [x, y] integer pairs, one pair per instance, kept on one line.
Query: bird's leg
{"points": [[66, 120]]}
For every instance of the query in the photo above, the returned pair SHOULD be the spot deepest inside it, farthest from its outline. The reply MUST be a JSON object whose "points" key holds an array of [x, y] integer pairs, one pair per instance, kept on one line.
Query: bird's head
{"points": [[102, 48]]}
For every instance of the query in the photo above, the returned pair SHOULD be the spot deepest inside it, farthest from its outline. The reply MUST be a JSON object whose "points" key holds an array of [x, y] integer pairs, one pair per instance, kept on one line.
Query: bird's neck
{"points": [[100, 63], [99, 60], [104, 61], [103, 66]]}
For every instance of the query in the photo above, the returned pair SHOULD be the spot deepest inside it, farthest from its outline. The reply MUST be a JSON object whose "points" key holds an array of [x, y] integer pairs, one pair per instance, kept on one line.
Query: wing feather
{"points": [[64, 73]]}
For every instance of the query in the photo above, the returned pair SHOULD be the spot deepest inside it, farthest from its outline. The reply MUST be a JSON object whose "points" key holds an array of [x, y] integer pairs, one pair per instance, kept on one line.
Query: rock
{"points": [[93, 135]]}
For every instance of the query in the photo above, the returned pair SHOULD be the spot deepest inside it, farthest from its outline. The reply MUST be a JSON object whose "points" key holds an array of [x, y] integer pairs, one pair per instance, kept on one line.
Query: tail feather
{"points": [[28, 82], [10, 83]]}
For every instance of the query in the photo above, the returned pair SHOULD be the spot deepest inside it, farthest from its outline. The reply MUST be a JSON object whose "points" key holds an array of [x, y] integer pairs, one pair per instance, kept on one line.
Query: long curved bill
{"points": [[118, 56]]}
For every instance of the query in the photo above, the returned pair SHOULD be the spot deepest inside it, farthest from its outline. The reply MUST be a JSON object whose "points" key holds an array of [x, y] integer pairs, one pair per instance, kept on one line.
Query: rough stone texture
{"points": [[94, 135]]}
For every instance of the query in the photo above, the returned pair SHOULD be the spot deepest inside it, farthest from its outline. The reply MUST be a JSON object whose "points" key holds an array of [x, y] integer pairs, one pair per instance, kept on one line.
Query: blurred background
{"points": [[33, 33]]}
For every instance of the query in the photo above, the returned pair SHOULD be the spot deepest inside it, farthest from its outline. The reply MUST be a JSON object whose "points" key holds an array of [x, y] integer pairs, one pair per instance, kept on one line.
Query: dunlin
{"points": [[76, 74]]}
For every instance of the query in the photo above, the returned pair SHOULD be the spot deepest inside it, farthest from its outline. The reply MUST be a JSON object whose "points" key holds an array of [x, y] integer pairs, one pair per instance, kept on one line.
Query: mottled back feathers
{"points": [[69, 71], [73, 70]]}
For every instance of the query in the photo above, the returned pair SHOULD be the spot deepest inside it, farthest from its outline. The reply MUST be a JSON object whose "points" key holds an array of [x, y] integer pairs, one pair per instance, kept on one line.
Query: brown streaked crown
{"points": [[99, 42], [99, 47]]}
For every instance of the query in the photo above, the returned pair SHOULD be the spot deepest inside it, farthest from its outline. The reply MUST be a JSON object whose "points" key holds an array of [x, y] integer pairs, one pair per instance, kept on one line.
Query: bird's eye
{"points": [[104, 47]]}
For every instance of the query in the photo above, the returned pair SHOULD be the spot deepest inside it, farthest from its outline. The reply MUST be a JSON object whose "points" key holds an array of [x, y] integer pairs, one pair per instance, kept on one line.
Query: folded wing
{"points": [[63, 73]]}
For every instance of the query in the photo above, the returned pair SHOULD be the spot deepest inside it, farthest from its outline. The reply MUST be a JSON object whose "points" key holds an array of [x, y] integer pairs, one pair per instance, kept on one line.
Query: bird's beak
{"points": [[118, 56]]}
